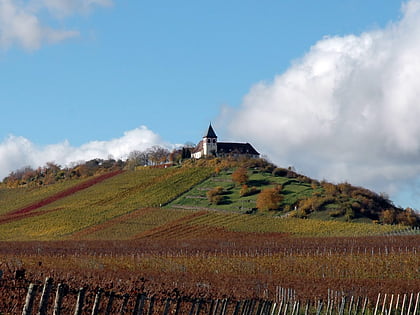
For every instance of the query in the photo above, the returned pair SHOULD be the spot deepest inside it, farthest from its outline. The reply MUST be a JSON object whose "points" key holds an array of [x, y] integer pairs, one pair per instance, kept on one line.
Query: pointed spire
{"points": [[210, 133]]}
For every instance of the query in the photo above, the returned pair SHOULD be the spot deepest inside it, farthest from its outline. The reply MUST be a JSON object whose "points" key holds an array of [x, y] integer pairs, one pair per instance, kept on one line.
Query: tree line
{"points": [[52, 172]]}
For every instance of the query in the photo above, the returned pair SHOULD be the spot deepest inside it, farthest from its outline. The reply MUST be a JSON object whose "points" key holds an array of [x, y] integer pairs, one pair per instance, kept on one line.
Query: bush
{"points": [[281, 172], [269, 199], [246, 191], [214, 196], [240, 175]]}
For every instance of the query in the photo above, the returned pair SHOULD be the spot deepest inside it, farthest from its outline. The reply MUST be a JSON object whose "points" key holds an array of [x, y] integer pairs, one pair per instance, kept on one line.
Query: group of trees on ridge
{"points": [[52, 173], [352, 201]]}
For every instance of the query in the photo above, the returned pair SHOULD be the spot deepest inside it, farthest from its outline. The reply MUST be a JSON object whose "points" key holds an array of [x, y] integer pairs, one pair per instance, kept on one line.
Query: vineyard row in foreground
{"points": [[98, 301]]}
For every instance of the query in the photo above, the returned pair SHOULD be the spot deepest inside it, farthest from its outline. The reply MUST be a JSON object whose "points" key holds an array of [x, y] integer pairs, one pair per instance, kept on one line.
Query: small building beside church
{"points": [[209, 146]]}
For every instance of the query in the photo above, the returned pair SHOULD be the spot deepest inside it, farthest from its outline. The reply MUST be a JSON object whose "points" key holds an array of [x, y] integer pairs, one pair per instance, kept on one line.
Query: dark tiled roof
{"points": [[210, 133], [232, 147]]}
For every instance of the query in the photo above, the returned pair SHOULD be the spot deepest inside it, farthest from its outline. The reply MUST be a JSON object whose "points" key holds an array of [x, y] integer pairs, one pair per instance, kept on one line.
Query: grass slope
{"points": [[293, 190]]}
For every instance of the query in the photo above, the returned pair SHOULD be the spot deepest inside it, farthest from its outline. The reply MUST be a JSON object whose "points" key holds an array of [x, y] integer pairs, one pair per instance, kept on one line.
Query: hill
{"points": [[195, 200]]}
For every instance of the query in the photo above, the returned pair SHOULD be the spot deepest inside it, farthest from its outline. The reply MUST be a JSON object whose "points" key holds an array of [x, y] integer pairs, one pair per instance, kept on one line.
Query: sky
{"points": [[328, 87]]}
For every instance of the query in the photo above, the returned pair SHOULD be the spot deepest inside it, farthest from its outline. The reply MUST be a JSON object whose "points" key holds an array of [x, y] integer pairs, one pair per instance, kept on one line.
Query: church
{"points": [[209, 146]]}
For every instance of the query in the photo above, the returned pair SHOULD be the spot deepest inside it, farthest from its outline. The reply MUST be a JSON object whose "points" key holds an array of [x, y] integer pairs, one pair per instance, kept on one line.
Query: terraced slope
{"points": [[104, 201]]}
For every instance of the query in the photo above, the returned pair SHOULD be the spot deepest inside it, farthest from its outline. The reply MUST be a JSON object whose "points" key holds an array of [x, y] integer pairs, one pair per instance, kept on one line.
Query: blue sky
{"points": [[84, 77]]}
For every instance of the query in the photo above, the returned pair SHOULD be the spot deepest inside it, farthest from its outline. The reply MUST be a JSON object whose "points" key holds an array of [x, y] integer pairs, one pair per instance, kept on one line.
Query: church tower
{"points": [[210, 142]]}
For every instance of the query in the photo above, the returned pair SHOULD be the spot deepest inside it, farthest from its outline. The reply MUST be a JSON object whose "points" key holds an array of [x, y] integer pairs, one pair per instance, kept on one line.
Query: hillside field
{"points": [[154, 230], [136, 204]]}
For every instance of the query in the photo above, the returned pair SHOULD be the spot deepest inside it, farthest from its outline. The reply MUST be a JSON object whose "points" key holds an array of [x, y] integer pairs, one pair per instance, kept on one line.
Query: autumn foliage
{"points": [[269, 199], [240, 176]]}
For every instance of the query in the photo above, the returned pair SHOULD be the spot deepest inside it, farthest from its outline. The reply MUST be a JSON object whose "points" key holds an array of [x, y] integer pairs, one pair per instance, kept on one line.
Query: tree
{"points": [[240, 176], [214, 196], [269, 199], [158, 154], [389, 216]]}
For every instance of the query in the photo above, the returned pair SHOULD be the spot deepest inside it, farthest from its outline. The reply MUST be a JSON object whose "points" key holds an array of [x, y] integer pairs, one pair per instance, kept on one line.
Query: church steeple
{"points": [[210, 133], [210, 142]]}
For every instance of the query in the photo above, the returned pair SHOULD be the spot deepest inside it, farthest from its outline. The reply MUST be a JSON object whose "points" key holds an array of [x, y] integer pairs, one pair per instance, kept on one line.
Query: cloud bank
{"points": [[21, 23], [17, 152], [348, 110]]}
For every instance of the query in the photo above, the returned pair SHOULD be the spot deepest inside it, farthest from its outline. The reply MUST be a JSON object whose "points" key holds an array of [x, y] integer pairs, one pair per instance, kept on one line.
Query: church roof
{"points": [[198, 148], [210, 133], [234, 147]]}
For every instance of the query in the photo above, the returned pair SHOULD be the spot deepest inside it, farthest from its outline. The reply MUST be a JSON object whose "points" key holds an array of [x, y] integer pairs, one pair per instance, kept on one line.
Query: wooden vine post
{"points": [[43, 304], [97, 302], [80, 301], [110, 302], [62, 290], [30, 297]]}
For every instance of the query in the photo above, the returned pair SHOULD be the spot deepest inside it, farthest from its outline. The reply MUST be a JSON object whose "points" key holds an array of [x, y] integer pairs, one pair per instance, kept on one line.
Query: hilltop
{"points": [[195, 198]]}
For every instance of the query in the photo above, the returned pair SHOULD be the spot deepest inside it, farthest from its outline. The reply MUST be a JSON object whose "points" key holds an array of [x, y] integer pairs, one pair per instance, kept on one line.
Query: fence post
{"points": [[403, 304], [273, 308], [286, 306], [192, 307], [61, 291], [109, 305], [138, 308], [343, 305], [409, 304], [43, 303], [318, 311], [364, 306], [244, 307], [80, 301], [384, 304], [417, 303], [30, 297], [97, 302], [123, 308], [224, 306], [351, 304], [108, 309], [215, 307], [167, 306], [390, 304], [178, 306], [237, 307], [306, 307], [151, 305], [200, 303]]}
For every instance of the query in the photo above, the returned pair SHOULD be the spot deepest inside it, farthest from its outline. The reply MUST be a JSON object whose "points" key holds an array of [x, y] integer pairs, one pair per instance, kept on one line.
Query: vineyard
{"points": [[237, 265], [149, 241], [69, 213]]}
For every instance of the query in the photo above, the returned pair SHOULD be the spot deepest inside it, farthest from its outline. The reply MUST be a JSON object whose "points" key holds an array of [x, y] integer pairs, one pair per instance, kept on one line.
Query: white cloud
{"points": [[348, 110], [17, 152], [20, 22]]}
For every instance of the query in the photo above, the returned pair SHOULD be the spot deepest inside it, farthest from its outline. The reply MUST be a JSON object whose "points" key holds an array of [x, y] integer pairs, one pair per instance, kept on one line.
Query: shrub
{"points": [[269, 199], [240, 175], [246, 191], [281, 172], [214, 196]]}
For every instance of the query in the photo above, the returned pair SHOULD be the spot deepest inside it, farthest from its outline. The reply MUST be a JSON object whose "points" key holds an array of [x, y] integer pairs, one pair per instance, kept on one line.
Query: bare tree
{"points": [[158, 154]]}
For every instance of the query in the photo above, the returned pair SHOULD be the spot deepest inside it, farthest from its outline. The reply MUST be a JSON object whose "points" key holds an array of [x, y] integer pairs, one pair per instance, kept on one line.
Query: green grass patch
{"points": [[293, 190]]}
